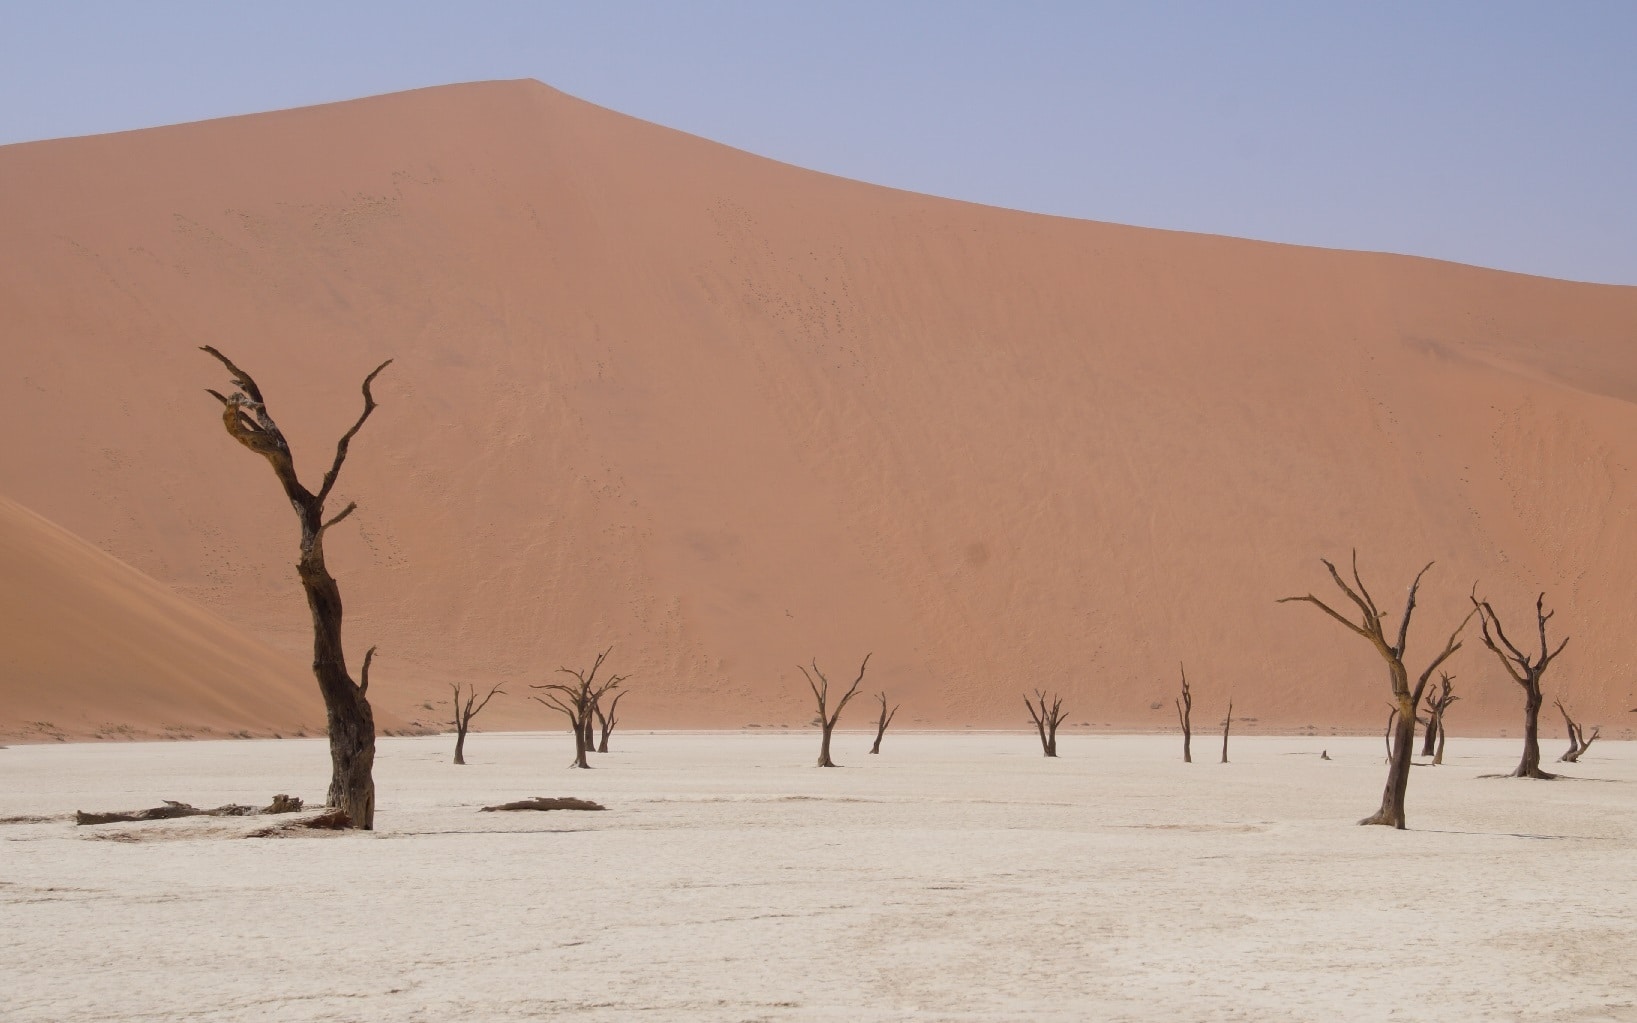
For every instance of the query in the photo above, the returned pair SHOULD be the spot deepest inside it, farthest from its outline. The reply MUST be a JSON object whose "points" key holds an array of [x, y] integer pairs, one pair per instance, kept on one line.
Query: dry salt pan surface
{"points": [[953, 877]]}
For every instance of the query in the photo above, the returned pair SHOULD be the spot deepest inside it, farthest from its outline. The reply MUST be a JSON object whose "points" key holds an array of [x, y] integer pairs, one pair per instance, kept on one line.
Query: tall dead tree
{"points": [[827, 717], [1526, 670], [575, 701], [1185, 713], [1437, 702], [1405, 696], [607, 719], [465, 711], [882, 721], [1046, 719], [1227, 723], [1578, 743], [347, 711]]}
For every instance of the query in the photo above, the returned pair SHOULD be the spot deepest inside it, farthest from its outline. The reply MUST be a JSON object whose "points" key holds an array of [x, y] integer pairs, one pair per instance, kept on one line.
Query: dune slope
{"points": [[729, 415], [92, 647]]}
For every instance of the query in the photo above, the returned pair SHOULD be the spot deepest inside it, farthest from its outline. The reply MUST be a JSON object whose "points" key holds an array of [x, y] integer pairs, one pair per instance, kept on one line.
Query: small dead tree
{"points": [[1526, 670], [1185, 713], [1578, 742], [466, 711], [1437, 703], [1227, 723], [607, 719], [1046, 719], [827, 718], [882, 721], [1405, 696], [346, 704], [575, 701]]}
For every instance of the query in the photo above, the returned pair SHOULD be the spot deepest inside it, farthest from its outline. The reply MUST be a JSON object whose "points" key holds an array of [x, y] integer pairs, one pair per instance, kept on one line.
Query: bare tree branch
{"points": [[346, 438]]}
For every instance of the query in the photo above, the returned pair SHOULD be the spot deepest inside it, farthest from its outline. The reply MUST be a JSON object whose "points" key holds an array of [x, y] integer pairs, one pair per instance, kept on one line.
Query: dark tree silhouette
{"points": [[1405, 696], [1526, 670], [575, 701], [883, 721], [1046, 719], [1185, 714], [827, 718], [1437, 703], [348, 714], [1578, 742], [607, 719], [1227, 723], [466, 710]]}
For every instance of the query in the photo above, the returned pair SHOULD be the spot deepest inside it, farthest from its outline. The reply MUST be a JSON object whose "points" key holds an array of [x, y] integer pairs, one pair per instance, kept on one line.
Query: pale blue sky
{"points": [[1497, 133]]}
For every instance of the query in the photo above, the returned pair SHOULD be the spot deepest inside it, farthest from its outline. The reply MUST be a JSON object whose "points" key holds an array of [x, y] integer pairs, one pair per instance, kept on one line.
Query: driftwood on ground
{"points": [[172, 810], [331, 819], [546, 803]]}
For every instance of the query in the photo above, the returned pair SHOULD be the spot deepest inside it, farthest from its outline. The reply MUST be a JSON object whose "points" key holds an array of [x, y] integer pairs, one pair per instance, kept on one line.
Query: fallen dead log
{"points": [[332, 819], [544, 803], [172, 810]]}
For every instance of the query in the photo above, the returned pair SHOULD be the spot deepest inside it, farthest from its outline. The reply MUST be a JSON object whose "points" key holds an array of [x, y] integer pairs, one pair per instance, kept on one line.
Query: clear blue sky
{"points": [[1493, 132]]}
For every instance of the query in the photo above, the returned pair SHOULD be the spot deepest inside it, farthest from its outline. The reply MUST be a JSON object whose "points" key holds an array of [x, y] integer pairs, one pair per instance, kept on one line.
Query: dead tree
{"points": [[1405, 697], [576, 699], [606, 720], [1185, 714], [346, 704], [827, 718], [1526, 670], [1046, 719], [465, 712], [1437, 703], [883, 721], [1578, 743], [1387, 733], [1227, 722], [590, 727]]}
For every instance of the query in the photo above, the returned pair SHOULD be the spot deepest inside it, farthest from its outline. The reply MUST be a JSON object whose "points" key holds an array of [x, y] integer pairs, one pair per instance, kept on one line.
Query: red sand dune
{"points": [[728, 415], [95, 647]]}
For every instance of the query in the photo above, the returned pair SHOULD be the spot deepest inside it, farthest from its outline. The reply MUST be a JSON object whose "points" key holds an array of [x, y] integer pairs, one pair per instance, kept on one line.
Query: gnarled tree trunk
{"points": [[882, 721], [1185, 713], [576, 701], [350, 720], [1046, 718], [827, 718], [465, 712], [1526, 670], [1405, 697]]}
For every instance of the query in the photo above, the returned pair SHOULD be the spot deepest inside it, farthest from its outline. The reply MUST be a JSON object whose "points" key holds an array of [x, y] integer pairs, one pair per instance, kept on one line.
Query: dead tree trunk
{"points": [[1046, 719], [1578, 743], [1405, 697], [1437, 703], [883, 721], [1227, 723], [827, 718], [1185, 713], [606, 720], [1526, 671], [575, 701], [465, 712], [348, 714]]}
